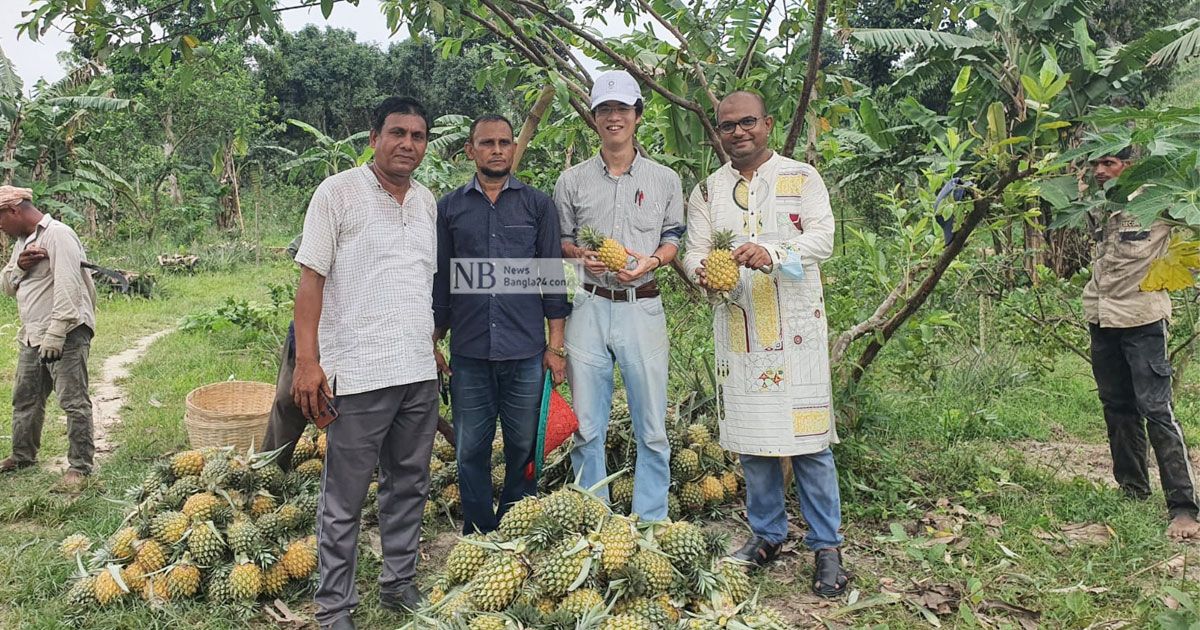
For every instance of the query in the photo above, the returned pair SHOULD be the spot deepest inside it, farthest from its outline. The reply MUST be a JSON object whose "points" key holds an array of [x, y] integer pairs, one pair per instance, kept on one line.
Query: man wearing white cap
{"points": [[618, 316], [56, 303]]}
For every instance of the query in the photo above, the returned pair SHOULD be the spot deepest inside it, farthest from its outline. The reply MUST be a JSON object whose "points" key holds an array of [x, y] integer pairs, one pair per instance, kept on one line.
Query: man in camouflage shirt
{"points": [[1129, 356]]}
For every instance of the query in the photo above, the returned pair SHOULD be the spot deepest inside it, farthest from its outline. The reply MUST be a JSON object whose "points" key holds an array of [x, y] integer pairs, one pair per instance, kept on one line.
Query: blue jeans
{"points": [[634, 336], [479, 391], [820, 499]]}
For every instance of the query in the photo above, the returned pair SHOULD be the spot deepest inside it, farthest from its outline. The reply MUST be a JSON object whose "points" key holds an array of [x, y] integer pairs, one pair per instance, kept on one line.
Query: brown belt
{"points": [[648, 290]]}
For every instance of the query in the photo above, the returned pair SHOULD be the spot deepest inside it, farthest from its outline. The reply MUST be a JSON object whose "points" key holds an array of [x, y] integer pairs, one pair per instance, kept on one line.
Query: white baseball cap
{"points": [[615, 85]]}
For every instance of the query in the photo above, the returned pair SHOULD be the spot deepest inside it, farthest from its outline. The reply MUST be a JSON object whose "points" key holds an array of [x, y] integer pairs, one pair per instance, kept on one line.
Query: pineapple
{"points": [[179, 491], [627, 621], [698, 435], [121, 543], [74, 545], [243, 537], [674, 509], [729, 479], [564, 508], [767, 618], [691, 496], [683, 542], [561, 568], [498, 582], [594, 512], [451, 495], [270, 526], [151, 555], [310, 469], [578, 602], [134, 576], [156, 589], [712, 489], [664, 602], [719, 267], [611, 253], [245, 581], [187, 463], [685, 465], [497, 479], [322, 445], [183, 580], [487, 622], [261, 504], [205, 544], [735, 585], [520, 517], [438, 592], [215, 473], [169, 527], [300, 559], [201, 507], [305, 450], [108, 588], [216, 588], [655, 567], [621, 491], [619, 542], [290, 516], [82, 593], [269, 478], [713, 451], [274, 580], [465, 560], [442, 449]]}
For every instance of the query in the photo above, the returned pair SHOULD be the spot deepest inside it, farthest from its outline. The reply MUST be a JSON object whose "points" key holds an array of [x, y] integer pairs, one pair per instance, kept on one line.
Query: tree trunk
{"points": [[231, 202], [168, 148], [10, 149], [810, 77], [531, 124]]}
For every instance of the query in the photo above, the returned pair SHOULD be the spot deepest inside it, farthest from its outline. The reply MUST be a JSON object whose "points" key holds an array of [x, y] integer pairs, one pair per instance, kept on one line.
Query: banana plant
{"points": [[327, 156]]}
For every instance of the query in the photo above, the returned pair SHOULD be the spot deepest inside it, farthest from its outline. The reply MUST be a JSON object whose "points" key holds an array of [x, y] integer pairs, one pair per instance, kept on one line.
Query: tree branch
{"points": [[744, 65], [683, 48], [872, 323], [810, 78], [639, 73]]}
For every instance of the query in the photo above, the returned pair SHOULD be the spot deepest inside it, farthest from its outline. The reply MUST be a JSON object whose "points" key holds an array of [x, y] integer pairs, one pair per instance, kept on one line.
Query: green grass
{"points": [[938, 490]]}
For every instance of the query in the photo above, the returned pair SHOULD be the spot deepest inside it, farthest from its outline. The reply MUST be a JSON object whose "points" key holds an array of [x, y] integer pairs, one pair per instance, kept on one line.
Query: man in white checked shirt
{"points": [[365, 308]]}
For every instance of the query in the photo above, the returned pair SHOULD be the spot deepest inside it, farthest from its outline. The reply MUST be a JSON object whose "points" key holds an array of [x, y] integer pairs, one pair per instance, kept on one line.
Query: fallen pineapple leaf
{"points": [[154, 402], [283, 615], [1088, 533], [1173, 272], [1008, 552]]}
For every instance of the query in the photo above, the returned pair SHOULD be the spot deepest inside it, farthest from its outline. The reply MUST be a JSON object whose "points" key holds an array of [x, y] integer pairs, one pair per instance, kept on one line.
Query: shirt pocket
{"points": [[517, 241], [648, 217], [1133, 243]]}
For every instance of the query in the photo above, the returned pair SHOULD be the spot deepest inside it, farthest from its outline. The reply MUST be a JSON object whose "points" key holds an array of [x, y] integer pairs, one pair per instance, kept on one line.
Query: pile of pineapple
{"points": [[214, 524], [705, 478], [566, 561]]}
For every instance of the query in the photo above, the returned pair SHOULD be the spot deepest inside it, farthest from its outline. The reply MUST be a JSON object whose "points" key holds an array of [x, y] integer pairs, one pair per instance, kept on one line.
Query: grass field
{"points": [[984, 501]]}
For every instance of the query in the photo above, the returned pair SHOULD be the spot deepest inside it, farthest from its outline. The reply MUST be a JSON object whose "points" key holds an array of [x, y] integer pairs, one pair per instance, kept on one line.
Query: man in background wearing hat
{"points": [[56, 303], [1128, 327], [619, 316]]}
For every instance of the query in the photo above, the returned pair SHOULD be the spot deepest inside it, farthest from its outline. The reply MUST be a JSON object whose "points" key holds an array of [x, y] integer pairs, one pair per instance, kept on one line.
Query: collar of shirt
{"points": [[41, 227], [511, 183], [766, 169], [637, 155]]}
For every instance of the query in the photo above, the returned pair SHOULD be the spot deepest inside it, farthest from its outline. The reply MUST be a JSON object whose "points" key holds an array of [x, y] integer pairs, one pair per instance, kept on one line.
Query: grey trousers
{"points": [[287, 422], [393, 427], [1133, 377], [68, 378]]}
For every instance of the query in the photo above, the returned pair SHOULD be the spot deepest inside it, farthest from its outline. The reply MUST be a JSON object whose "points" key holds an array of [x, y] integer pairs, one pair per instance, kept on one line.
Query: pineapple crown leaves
{"points": [[584, 573], [722, 239], [590, 237], [115, 571], [263, 459], [517, 546]]}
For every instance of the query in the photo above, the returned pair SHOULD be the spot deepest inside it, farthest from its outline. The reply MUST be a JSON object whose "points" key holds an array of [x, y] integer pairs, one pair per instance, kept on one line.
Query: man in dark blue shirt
{"points": [[498, 348]]}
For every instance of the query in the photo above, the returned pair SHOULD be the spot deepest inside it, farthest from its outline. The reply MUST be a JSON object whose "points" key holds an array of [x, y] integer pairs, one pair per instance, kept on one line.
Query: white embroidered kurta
{"points": [[771, 340]]}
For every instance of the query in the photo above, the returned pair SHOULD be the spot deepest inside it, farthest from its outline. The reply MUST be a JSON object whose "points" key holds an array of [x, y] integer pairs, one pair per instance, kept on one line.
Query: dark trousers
{"points": [[1133, 377], [392, 427], [287, 422], [68, 378], [479, 392]]}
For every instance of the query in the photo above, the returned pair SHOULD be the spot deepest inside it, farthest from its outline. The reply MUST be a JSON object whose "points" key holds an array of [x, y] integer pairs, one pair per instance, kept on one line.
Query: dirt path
{"points": [[1068, 460], [108, 396]]}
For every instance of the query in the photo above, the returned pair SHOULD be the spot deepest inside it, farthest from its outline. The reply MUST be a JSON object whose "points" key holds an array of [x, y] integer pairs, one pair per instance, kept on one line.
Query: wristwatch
{"points": [[562, 352]]}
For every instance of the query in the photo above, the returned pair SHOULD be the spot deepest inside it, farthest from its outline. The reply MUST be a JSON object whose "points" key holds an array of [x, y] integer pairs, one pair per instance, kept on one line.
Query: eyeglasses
{"points": [[608, 110], [746, 123]]}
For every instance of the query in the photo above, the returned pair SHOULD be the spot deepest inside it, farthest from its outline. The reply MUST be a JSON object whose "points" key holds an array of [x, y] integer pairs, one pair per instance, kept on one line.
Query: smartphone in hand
{"points": [[327, 415]]}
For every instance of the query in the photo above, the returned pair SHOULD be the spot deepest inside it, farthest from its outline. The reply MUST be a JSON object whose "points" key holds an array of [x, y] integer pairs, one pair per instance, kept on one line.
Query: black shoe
{"points": [[829, 577], [407, 599], [757, 551], [341, 623]]}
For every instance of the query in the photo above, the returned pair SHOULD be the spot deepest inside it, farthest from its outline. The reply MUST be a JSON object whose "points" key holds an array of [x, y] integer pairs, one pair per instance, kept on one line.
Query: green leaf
{"points": [[1087, 47], [1033, 89], [997, 124], [897, 39], [964, 78], [10, 84], [326, 8], [1185, 47], [1059, 191]]}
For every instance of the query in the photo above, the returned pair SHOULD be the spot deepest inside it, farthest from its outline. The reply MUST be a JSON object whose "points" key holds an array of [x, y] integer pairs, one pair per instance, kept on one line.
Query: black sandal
{"points": [[829, 577]]}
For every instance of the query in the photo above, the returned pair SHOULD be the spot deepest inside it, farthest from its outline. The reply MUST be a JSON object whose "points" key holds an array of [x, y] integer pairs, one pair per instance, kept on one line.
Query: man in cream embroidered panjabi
{"points": [[771, 343], [1128, 329], [56, 302]]}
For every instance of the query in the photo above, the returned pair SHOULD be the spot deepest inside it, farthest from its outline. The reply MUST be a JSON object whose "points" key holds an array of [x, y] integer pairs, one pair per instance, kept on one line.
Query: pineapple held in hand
{"points": [[612, 253], [721, 271]]}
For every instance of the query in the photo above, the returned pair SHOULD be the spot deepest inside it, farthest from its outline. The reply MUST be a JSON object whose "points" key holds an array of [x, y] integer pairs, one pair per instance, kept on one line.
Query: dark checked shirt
{"points": [[642, 209], [522, 224]]}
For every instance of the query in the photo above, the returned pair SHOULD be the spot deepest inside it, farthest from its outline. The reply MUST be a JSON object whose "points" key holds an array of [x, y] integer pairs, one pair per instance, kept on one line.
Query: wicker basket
{"points": [[232, 413]]}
